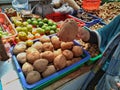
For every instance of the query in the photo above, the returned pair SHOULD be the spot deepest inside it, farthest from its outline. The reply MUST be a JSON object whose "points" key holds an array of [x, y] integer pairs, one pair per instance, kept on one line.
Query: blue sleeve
{"points": [[106, 33]]}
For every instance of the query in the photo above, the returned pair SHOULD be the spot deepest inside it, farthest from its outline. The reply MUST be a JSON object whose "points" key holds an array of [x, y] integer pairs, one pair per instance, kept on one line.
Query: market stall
{"points": [[32, 57]]}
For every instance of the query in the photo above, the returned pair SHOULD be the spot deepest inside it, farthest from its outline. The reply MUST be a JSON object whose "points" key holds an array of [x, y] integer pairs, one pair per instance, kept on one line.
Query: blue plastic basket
{"points": [[52, 78], [94, 20]]}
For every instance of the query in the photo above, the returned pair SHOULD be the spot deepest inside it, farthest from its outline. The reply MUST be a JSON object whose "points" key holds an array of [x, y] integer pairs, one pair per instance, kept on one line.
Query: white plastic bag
{"points": [[20, 4]]}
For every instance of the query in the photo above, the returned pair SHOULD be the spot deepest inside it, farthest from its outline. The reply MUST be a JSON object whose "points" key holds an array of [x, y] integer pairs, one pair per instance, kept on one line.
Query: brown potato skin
{"points": [[44, 39], [21, 57], [38, 45], [40, 65], [50, 70], [66, 45], [27, 67], [56, 42], [77, 51], [68, 54], [60, 62], [57, 52], [49, 55], [33, 77], [48, 46]]}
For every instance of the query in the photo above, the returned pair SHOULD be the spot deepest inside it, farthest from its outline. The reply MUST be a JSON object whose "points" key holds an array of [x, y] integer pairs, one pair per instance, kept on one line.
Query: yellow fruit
{"points": [[22, 36], [29, 43], [30, 36]]}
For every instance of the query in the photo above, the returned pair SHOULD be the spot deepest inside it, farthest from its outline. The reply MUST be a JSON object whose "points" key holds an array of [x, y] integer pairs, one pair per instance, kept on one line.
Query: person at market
{"points": [[110, 80]]}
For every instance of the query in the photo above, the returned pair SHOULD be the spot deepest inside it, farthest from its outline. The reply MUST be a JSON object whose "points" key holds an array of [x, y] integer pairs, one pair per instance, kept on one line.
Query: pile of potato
{"points": [[45, 57], [91, 48]]}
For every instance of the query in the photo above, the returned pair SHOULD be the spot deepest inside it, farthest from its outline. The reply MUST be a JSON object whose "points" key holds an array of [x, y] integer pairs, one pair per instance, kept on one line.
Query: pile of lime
{"points": [[44, 26]]}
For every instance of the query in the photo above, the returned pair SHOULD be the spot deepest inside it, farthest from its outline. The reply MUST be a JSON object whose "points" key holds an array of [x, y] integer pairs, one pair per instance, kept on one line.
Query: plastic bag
{"points": [[20, 4]]}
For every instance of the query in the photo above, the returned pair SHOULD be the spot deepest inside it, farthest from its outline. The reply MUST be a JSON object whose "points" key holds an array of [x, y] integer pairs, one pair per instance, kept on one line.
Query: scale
{"points": [[43, 8]]}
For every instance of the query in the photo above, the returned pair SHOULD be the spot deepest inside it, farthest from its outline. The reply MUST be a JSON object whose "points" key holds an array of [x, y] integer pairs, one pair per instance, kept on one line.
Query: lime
{"points": [[0, 28], [52, 31], [34, 22], [18, 23], [39, 19], [18, 28], [40, 23], [54, 27], [50, 22], [33, 19], [29, 21], [24, 29], [45, 20], [29, 27], [42, 31], [25, 23]]}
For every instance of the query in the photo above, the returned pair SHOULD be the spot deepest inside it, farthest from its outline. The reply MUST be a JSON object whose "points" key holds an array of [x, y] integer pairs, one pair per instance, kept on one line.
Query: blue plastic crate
{"points": [[94, 20], [52, 78]]}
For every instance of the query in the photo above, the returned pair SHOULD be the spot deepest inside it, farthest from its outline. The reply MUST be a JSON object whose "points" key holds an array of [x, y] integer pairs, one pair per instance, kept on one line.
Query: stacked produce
{"points": [[34, 28], [108, 11], [91, 48], [97, 26], [45, 57], [7, 31]]}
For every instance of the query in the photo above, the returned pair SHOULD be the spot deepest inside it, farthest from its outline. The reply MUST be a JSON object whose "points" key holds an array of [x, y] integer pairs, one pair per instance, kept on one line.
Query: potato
{"points": [[66, 45], [48, 46], [49, 55], [33, 77], [50, 70], [27, 67], [38, 46], [68, 54], [32, 54], [21, 57], [40, 65], [56, 42], [44, 39], [69, 62], [57, 52], [74, 60], [77, 51], [60, 62], [20, 47]]}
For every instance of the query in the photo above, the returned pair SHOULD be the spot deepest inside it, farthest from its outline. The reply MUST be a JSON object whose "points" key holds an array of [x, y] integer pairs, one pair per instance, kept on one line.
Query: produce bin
{"points": [[86, 17], [52, 78], [61, 17], [93, 59], [96, 25], [103, 1], [7, 27]]}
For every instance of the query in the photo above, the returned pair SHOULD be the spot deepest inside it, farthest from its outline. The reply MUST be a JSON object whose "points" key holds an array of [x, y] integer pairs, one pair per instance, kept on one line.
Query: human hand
{"points": [[118, 85], [83, 34], [68, 30]]}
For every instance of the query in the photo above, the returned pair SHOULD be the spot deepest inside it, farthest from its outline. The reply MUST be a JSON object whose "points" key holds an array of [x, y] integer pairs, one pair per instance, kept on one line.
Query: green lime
{"points": [[54, 27], [33, 19], [42, 31], [29, 21], [52, 31], [18, 28], [40, 23], [39, 19], [45, 20], [34, 22], [50, 23], [0, 28]]}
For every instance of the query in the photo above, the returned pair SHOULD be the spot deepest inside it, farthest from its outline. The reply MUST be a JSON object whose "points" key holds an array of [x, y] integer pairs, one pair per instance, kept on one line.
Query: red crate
{"points": [[61, 17]]}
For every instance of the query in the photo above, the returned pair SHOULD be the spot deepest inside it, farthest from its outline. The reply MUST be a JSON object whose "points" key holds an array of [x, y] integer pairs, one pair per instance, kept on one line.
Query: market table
{"points": [[10, 79]]}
